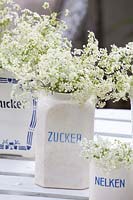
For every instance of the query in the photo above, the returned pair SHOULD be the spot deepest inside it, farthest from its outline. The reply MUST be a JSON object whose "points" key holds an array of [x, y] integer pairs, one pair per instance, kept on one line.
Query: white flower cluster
{"points": [[42, 59], [46, 5], [108, 154], [119, 67], [36, 52], [8, 16]]}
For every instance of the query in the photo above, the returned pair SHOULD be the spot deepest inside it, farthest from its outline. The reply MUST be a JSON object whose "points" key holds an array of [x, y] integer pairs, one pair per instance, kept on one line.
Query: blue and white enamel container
{"points": [[17, 121]]}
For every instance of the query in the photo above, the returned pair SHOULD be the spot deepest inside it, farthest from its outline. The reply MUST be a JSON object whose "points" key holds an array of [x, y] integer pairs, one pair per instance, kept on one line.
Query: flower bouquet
{"points": [[8, 16], [42, 60], [43, 63], [119, 66], [68, 84], [111, 168], [120, 63]]}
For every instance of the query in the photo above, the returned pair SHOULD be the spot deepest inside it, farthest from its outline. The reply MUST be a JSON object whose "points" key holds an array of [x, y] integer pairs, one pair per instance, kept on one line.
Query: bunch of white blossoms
{"points": [[8, 15], [95, 81], [23, 46], [76, 73], [42, 59], [108, 154], [119, 67]]}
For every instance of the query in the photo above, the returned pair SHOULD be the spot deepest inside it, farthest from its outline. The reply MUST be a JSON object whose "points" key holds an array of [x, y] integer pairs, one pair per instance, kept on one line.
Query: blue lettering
{"points": [[56, 137], [106, 183], [67, 137], [61, 137], [117, 183], [73, 138], [114, 183], [79, 137], [111, 183], [122, 183], [102, 181], [50, 136], [97, 180]]}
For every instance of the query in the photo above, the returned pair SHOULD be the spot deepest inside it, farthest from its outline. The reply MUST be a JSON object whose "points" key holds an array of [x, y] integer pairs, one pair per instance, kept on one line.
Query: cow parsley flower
{"points": [[41, 59], [66, 12], [8, 17], [108, 154], [45, 5], [118, 65]]}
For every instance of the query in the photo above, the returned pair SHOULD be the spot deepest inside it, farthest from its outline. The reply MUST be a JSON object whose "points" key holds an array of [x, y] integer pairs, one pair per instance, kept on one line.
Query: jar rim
{"points": [[56, 95]]}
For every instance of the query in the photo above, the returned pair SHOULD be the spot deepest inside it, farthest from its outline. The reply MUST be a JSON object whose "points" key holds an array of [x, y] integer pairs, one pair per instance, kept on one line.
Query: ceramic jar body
{"points": [[61, 125], [115, 184]]}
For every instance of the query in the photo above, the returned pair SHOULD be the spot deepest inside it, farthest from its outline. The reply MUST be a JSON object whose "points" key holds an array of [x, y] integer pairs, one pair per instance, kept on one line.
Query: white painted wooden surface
{"points": [[17, 173], [113, 122]]}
